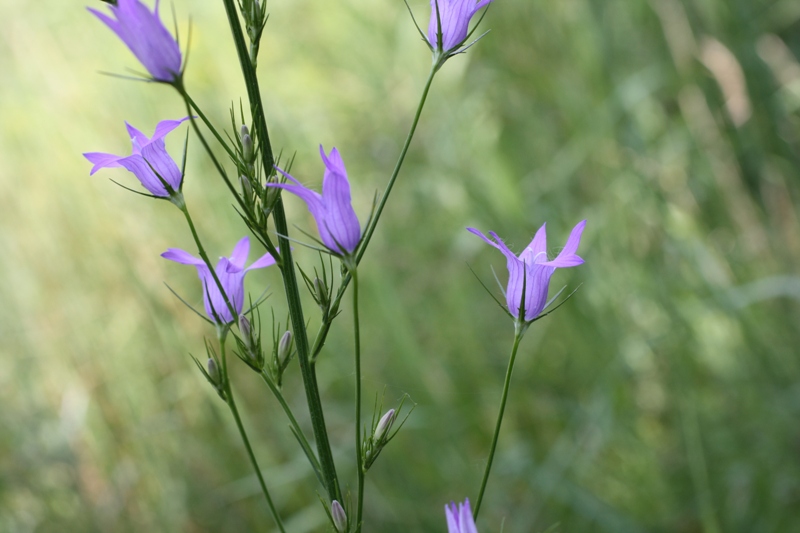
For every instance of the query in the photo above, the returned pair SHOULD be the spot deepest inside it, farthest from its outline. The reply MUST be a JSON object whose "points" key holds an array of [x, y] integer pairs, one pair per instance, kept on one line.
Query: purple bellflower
{"points": [[230, 271], [454, 16], [533, 269], [332, 210], [149, 156], [145, 35], [459, 519]]}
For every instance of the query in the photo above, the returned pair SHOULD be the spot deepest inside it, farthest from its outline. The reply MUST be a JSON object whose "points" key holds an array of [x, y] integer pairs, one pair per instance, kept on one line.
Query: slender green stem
{"points": [[287, 265], [235, 412], [322, 334], [293, 421], [207, 261], [359, 456], [506, 385], [192, 105], [371, 229]]}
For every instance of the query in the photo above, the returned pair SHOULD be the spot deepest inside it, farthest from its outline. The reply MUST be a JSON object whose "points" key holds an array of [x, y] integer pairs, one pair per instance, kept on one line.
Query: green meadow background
{"points": [[663, 397]]}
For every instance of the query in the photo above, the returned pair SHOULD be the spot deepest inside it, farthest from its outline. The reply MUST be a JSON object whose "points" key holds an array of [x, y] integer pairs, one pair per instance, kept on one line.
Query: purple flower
{"points": [[336, 220], [148, 155], [230, 271], [454, 16], [533, 269], [145, 35], [459, 520]]}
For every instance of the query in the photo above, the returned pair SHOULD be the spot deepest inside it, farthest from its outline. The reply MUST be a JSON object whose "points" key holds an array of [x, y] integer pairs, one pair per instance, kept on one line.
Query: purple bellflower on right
{"points": [[459, 519], [452, 17], [149, 162], [332, 210], [532, 270], [145, 35]]}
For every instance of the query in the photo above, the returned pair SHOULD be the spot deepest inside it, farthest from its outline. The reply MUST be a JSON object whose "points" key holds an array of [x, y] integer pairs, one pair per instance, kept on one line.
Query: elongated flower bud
{"points": [[247, 189], [247, 145], [213, 371], [384, 425], [285, 349], [321, 292], [339, 517], [244, 328]]}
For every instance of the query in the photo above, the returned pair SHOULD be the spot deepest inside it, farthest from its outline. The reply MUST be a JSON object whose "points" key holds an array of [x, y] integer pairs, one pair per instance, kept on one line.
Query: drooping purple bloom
{"points": [[148, 155], [533, 269], [454, 16], [145, 35], [230, 271], [459, 519], [332, 210]]}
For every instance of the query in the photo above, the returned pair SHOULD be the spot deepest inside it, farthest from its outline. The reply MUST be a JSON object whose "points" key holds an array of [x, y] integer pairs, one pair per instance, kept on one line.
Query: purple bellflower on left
{"points": [[230, 271], [148, 158], [145, 35]]}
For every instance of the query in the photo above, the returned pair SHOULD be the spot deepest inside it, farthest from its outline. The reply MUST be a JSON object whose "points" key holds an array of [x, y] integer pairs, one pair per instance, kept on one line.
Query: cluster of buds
{"points": [[255, 17]]}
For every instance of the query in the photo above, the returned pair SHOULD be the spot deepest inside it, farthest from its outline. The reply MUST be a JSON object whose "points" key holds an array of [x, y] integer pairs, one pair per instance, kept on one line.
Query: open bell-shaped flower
{"points": [[149, 162], [532, 270], [230, 271], [332, 210], [145, 35], [459, 519], [452, 17]]}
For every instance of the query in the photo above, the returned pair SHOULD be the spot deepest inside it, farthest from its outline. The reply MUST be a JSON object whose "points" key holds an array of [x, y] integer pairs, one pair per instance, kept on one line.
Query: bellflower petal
{"points": [[459, 519], [148, 155], [530, 273], [145, 35], [332, 210], [454, 16], [231, 273]]}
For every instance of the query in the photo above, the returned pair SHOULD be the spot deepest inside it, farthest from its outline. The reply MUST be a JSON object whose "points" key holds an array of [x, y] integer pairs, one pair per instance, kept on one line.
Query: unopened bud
{"points": [[322, 293], [244, 328], [339, 517], [213, 370], [247, 145], [247, 189], [384, 425], [284, 349]]}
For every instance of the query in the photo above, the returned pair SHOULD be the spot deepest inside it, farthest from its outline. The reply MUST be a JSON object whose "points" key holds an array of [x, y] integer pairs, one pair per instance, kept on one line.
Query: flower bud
{"points": [[247, 189], [384, 425], [321, 290], [339, 517], [284, 349], [247, 145], [213, 371], [244, 328]]}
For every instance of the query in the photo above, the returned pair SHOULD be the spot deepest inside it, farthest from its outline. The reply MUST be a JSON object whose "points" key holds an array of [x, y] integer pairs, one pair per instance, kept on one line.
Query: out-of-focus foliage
{"points": [[663, 397]]}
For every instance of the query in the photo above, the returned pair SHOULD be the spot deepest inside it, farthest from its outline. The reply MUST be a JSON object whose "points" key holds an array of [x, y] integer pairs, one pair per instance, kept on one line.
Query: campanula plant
{"points": [[251, 163]]}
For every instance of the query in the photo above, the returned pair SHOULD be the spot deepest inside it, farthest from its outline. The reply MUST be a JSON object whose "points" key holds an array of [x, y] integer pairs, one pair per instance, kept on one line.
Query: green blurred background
{"points": [[664, 397]]}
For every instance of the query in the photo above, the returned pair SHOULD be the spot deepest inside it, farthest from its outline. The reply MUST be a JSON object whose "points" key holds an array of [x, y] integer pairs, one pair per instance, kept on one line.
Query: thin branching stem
{"points": [[322, 334], [359, 451], [235, 412], [506, 385]]}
